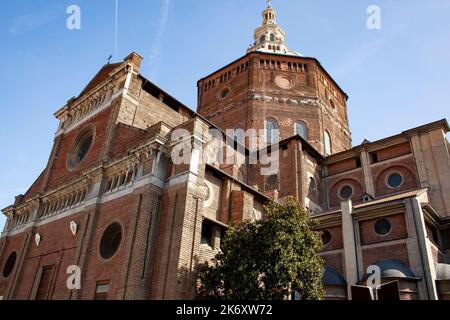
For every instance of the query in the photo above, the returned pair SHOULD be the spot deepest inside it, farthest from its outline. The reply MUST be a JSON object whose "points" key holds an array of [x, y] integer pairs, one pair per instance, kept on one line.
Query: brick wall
{"points": [[394, 151], [369, 236], [11, 244], [96, 268], [60, 173], [254, 96], [342, 166], [334, 260], [353, 179], [336, 239], [382, 171], [377, 254]]}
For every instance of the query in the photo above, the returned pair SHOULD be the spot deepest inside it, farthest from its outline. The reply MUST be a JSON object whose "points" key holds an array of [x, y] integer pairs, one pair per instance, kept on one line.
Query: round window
{"points": [[383, 227], [224, 93], [110, 242], [209, 200], [395, 180], [326, 237], [272, 180], [80, 148], [346, 192], [284, 82], [9, 265]]}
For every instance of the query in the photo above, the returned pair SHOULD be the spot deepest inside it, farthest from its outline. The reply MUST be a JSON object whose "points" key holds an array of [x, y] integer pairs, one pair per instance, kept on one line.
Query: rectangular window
{"points": [[374, 157], [212, 234], [207, 233], [445, 236], [101, 290], [45, 283]]}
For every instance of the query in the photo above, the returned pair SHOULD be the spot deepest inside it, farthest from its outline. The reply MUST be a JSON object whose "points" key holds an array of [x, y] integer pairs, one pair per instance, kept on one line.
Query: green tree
{"points": [[268, 259]]}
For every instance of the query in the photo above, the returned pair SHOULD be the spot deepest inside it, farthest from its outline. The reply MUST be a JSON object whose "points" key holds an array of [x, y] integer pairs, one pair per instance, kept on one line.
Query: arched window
{"points": [[327, 142], [272, 37], [262, 39], [272, 133], [161, 166], [332, 104], [312, 192], [301, 129]]}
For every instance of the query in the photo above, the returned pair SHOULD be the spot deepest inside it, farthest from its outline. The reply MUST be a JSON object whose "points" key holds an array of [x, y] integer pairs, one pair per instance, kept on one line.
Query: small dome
{"points": [[443, 271], [393, 269], [332, 277]]}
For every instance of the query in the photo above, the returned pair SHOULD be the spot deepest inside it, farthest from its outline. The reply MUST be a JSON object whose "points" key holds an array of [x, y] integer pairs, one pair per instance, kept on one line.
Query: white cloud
{"points": [[157, 40], [29, 22]]}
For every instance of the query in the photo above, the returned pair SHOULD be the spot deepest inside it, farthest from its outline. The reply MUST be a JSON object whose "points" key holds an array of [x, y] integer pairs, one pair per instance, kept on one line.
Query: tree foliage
{"points": [[268, 259]]}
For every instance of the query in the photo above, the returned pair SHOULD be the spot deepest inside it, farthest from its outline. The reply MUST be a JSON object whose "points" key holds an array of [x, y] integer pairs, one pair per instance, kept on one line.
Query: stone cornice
{"points": [[258, 55], [388, 142], [433, 217], [85, 179], [113, 77], [328, 219], [379, 210]]}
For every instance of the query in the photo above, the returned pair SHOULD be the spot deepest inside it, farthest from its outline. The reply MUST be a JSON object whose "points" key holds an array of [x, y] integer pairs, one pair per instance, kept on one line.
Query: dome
{"points": [[332, 277], [270, 37], [393, 269]]}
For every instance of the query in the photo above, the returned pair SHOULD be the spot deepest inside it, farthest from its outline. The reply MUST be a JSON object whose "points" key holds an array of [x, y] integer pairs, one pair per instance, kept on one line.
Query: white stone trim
{"points": [[384, 243], [335, 251], [104, 106], [128, 80], [144, 181], [182, 178]]}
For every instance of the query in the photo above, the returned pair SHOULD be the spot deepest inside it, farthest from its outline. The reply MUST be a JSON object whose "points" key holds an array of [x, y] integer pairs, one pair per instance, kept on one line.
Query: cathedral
{"points": [[139, 189]]}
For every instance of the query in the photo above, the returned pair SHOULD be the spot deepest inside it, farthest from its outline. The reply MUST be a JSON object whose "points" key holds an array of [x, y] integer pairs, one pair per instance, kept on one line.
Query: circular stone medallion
{"points": [[284, 82]]}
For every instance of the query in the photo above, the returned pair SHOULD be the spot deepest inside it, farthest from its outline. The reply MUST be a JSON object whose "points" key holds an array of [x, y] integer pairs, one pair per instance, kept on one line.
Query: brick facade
{"points": [[171, 216]]}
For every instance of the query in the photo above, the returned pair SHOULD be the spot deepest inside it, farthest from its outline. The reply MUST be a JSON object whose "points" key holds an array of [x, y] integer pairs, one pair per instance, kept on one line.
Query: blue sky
{"points": [[397, 77]]}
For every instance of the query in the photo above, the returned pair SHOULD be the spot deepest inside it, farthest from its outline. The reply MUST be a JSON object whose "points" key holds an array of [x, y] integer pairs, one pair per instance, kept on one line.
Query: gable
{"points": [[102, 75]]}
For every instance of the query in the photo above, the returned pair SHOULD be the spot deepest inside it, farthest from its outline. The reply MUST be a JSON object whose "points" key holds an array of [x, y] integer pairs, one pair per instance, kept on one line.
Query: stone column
{"points": [[368, 179], [432, 158], [423, 249], [348, 235], [180, 225]]}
